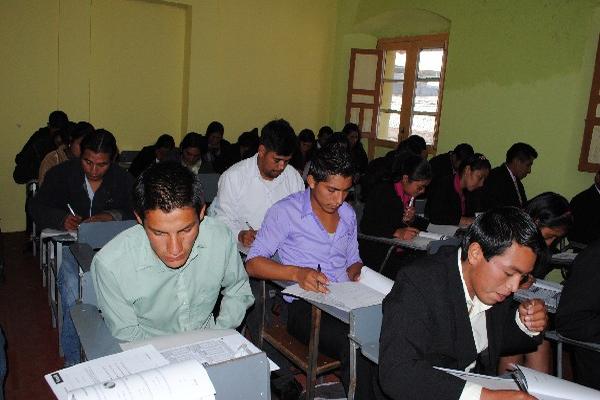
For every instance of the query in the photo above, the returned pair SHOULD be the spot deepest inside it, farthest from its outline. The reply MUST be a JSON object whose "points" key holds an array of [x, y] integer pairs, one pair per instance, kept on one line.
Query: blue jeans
{"points": [[68, 285], [2, 363]]}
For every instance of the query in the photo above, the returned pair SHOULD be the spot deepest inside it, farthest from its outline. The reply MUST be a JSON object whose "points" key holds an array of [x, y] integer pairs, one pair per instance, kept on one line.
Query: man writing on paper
{"points": [[164, 275], [454, 309], [314, 234]]}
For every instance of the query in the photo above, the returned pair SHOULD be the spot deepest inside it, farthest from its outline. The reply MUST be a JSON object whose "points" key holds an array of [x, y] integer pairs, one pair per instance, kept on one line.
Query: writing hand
{"points": [[311, 279], [406, 233], [247, 237], [487, 394], [533, 314], [409, 215], [102, 217], [72, 222]]}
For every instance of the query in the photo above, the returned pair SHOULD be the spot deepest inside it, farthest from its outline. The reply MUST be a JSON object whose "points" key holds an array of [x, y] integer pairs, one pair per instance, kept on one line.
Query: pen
{"points": [[71, 209], [249, 226], [411, 202], [318, 270]]}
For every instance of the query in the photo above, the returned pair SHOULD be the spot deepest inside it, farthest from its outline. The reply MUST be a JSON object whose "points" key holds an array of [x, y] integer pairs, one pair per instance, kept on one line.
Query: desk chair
{"points": [[210, 184], [30, 189], [306, 358], [560, 341]]}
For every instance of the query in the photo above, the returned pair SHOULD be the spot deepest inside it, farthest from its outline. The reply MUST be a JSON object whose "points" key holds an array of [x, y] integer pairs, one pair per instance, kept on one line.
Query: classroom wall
{"points": [[242, 63], [516, 71]]}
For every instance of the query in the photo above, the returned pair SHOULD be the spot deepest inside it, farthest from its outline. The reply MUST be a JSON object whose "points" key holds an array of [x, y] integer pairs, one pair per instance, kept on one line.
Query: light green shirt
{"points": [[141, 297]]}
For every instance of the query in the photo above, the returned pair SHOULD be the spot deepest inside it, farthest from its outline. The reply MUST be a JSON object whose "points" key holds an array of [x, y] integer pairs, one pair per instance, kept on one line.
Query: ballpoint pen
{"points": [[71, 209], [249, 226], [318, 270]]}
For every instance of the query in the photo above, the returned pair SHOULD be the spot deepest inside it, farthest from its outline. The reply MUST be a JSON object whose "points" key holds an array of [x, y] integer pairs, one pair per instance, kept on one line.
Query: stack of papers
{"points": [[368, 291]]}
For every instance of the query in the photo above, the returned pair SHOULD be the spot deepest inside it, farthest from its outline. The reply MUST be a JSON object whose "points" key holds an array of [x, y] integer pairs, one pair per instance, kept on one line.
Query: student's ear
{"points": [[202, 212], [262, 150], [137, 217], [311, 181], [405, 180], [475, 254]]}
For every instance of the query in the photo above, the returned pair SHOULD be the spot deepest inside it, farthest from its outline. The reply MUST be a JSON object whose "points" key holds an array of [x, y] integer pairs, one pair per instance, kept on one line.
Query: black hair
{"points": [[549, 210], [476, 161], [279, 136], [80, 129], [100, 141], [325, 130], [413, 166], [331, 159], [58, 119], [306, 135], [349, 128], [193, 139], [463, 151], [413, 144], [522, 151], [213, 127], [165, 141], [249, 139], [338, 137], [167, 186], [496, 230]]}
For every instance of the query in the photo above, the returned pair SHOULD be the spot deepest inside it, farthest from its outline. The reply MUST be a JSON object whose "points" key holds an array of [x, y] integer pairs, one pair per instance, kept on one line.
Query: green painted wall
{"points": [[516, 71]]}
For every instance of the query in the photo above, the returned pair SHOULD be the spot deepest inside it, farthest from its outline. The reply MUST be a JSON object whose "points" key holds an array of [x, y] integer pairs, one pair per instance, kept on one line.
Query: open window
{"points": [[396, 90]]}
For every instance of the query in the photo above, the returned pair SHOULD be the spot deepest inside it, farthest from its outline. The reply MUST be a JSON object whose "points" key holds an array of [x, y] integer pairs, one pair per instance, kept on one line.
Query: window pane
{"points": [[430, 63], [395, 61], [391, 95], [388, 126], [423, 125], [426, 96]]}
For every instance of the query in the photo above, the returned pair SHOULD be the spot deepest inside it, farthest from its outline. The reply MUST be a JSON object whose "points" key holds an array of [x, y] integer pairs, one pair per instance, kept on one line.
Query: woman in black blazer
{"points": [[450, 200], [389, 211]]}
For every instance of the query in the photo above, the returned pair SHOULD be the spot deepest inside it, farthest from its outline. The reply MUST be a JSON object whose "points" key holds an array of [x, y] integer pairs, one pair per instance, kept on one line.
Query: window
{"points": [[403, 94]]}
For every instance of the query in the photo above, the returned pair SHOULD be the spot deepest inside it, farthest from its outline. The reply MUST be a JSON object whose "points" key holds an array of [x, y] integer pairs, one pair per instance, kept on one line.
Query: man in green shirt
{"points": [[164, 275]]}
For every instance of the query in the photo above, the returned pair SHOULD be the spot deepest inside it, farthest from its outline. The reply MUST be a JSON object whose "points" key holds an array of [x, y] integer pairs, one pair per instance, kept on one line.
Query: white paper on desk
{"points": [[348, 296], [104, 369], [375, 280], [446, 230], [188, 346], [49, 232], [564, 256], [540, 385], [187, 380]]}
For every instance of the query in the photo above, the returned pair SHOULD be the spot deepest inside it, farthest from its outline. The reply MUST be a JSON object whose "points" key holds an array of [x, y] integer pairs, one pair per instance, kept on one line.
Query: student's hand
{"points": [[247, 237], [311, 279], [466, 221], [72, 222], [527, 284], [487, 394], [409, 215], [406, 233], [533, 314], [353, 272], [102, 217]]}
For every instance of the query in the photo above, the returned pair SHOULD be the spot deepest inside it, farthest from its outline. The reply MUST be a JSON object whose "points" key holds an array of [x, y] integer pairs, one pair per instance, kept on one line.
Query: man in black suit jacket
{"points": [[503, 186], [441, 303], [578, 314], [586, 218]]}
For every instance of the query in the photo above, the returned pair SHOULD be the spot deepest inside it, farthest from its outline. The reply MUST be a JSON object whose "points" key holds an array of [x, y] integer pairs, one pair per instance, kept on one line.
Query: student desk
{"points": [[244, 378], [560, 340]]}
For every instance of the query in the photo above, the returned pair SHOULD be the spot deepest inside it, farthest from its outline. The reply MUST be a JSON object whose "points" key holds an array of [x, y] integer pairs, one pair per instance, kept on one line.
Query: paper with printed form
{"points": [[195, 346], [136, 374], [538, 384], [544, 290], [368, 291]]}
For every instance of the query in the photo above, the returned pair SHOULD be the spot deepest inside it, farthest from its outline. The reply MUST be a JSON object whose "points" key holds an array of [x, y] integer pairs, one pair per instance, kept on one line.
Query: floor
{"points": [[25, 318]]}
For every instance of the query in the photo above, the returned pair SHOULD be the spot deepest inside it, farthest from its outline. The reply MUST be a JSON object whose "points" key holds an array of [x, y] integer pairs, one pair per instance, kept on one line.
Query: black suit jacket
{"points": [[426, 324], [443, 203], [441, 165], [65, 184], [499, 190], [381, 217], [586, 216]]}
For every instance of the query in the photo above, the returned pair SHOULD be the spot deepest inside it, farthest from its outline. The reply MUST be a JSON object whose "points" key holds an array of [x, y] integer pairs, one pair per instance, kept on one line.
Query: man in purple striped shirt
{"points": [[314, 234]]}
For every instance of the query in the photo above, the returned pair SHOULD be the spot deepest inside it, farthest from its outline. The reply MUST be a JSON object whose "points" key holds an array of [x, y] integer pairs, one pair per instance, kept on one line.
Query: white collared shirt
{"points": [[244, 196], [476, 310]]}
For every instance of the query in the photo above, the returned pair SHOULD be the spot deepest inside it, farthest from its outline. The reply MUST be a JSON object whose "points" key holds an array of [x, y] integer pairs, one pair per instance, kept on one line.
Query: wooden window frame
{"points": [[591, 120], [412, 45]]}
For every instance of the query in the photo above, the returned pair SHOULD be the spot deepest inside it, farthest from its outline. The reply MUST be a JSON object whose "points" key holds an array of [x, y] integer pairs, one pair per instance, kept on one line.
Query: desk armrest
{"points": [[96, 340], [84, 254]]}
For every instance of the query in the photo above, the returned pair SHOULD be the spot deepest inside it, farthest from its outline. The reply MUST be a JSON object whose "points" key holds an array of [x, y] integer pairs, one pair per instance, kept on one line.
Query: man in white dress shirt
{"points": [[250, 187]]}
